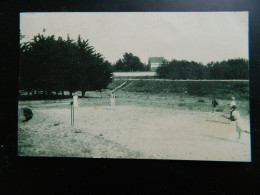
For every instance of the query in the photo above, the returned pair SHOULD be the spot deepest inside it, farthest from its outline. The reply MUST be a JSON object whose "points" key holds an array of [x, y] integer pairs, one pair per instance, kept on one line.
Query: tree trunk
{"points": [[70, 93], [33, 92], [62, 93], [57, 92], [28, 93], [37, 92]]}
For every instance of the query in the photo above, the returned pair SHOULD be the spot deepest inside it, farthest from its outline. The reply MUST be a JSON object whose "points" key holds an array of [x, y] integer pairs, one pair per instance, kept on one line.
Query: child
{"points": [[112, 100], [232, 103]]}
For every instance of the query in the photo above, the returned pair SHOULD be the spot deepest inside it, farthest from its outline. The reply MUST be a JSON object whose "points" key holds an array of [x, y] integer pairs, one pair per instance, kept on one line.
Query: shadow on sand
{"points": [[221, 138], [214, 121]]}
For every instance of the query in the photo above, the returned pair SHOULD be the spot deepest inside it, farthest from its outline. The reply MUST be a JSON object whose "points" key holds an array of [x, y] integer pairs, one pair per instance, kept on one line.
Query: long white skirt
{"points": [[75, 103], [112, 102]]}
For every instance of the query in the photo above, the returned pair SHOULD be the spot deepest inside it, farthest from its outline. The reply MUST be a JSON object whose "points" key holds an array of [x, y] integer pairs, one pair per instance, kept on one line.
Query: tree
{"points": [[50, 64], [129, 63], [84, 66], [103, 75], [120, 66], [230, 69], [182, 70]]}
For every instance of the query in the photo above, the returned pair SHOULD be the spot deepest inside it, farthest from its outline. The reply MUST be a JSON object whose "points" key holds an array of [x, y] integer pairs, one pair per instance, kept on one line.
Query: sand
{"points": [[135, 129]]}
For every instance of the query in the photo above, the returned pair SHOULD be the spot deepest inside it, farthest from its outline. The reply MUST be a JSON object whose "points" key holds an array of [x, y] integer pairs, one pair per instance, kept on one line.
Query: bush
{"points": [[230, 69]]}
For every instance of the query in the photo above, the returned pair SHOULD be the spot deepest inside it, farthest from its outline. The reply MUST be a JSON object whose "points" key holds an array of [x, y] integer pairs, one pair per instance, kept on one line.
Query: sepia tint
{"points": [[126, 85]]}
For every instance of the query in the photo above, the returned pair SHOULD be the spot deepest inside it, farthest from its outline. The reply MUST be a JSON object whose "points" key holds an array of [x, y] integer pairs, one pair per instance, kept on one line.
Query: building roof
{"points": [[156, 59]]}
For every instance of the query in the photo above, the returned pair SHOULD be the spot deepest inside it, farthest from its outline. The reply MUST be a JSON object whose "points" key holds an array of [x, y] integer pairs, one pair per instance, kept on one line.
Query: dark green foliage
{"points": [[230, 69], [53, 65], [182, 104], [218, 89], [129, 63], [182, 70]]}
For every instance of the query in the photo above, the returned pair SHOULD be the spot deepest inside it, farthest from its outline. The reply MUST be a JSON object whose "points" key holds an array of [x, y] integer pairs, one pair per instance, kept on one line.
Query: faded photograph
{"points": [[134, 85]]}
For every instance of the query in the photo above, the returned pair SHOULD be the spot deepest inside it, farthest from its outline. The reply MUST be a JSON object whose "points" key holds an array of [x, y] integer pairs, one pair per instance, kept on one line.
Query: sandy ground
{"points": [[165, 127]]}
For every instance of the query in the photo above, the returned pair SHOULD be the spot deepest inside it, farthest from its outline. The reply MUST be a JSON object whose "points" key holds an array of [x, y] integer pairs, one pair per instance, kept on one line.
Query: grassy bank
{"points": [[219, 89]]}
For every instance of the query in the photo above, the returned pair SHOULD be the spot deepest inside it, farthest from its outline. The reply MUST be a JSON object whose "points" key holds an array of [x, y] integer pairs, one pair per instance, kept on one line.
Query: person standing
{"points": [[239, 123], [75, 101], [214, 104], [112, 100], [232, 103]]}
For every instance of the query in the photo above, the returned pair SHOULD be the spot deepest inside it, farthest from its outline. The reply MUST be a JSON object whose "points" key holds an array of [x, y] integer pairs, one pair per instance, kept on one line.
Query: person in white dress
{"points": [[239, 122], [112, 100], [75, 101]]}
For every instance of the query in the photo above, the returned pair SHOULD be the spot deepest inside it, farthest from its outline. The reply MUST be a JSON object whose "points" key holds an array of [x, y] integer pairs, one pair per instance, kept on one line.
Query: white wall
{"points": [[155, 65], [133, 74]]}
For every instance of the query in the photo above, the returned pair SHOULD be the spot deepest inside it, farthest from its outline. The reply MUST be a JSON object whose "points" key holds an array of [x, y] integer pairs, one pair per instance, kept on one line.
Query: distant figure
{"points": [[232, 103], [239, 123], [112, 100], [214, 104], [75, 101]]}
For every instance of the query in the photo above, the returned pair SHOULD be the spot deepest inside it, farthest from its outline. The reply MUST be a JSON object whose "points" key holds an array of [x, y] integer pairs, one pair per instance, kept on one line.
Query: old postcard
{"points": [[134, 85]]}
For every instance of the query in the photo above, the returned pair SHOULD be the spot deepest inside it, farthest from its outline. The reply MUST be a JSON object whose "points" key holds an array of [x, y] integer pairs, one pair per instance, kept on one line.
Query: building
{"points": [[155, 62]]}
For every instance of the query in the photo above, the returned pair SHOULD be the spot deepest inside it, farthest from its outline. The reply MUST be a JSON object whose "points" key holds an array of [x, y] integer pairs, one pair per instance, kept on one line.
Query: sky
{"points": [[193, 36]]}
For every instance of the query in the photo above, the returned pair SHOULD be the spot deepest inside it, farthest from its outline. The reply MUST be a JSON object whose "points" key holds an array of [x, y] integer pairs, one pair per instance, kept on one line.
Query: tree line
{"points": [[50, 65], [182, 69]]}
